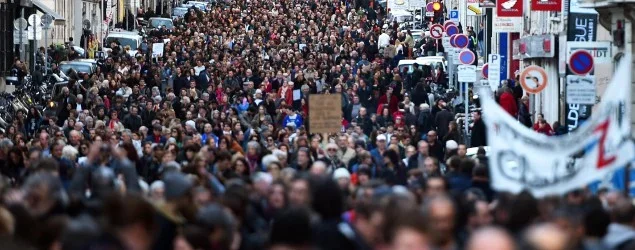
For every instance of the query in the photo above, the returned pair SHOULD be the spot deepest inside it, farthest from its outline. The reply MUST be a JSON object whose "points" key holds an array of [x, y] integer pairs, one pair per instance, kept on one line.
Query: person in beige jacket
{"points": [[410, 42], [344, 152]]}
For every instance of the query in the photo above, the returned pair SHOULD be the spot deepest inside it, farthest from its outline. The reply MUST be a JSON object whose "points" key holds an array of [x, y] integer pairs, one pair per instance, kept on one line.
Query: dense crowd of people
{"points": [[209, 147]]}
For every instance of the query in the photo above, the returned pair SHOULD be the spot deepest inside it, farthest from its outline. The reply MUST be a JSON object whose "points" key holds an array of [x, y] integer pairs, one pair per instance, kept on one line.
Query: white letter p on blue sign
{"points": [[454, 15]]}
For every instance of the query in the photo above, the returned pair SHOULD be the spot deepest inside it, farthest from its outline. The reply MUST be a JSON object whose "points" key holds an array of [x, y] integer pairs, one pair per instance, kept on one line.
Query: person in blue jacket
{"points": [[292, 117]]}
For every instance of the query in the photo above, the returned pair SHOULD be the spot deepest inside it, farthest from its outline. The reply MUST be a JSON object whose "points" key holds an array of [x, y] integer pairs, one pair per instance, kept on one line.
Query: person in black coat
{"points": [[479, 132], [328, 203], [425, 120], [394, 173], [419, 95], [442, 119]]}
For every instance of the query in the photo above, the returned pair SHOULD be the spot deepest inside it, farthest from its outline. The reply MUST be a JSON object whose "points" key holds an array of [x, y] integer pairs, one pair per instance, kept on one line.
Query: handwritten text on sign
{"points": [[325, 113]]}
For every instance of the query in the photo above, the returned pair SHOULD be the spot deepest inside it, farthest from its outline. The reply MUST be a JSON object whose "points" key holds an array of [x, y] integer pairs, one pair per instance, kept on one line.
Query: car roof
{"points": [[160, 18], [430, 58], [84, 60], [124, 35], [406, 61], [75, 62]]}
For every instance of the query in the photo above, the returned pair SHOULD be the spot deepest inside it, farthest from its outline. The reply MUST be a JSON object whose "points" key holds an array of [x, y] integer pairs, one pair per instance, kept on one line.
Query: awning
{"points": [[59, 19]]}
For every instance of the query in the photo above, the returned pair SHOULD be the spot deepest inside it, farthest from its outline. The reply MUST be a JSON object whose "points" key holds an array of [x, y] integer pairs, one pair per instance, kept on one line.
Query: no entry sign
{"points": [[485, 71], [448, 23], [451, 30], [452, 42], [461, 41], [581, 62], [467, 57], [436, 31], [533, 79]]}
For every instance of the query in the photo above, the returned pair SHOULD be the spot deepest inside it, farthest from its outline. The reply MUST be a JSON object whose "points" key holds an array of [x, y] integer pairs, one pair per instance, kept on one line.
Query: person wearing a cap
{"points": [[378, 152]]}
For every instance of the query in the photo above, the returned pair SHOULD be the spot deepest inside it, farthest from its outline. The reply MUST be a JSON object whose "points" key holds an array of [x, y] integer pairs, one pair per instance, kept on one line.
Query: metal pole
{"points": [[22, 43], [34, 45], [467, 112], [46, 51], [451, 69], [101, 21], [485, 36], [627, 180]]}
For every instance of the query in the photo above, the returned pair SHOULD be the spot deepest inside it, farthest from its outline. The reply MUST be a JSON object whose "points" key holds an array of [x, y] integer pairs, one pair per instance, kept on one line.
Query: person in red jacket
{"points": [[508, 102], [389, 99], [286, 92], [540, 121], [544, 128]]}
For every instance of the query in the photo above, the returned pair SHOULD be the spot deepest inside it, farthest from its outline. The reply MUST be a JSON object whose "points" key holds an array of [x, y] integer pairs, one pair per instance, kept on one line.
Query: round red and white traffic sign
{"points": [[436, 31]]}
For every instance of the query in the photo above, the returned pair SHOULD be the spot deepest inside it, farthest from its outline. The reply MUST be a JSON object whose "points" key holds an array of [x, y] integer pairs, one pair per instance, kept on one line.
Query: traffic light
{"points": [[438, 11]]}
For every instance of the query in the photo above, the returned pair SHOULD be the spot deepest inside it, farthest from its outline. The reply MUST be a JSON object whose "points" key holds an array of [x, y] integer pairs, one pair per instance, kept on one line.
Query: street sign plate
{"points": [[451, 30], [47, 20], [445, 41], [454, 15], [20, 22], [461, 41], [494, 68], [467, 57], [455, 55], [485, 71], [16, 37], [467, 73], [436, 31], [533, 79], [34, 20], [581, 62], [581, 89], [429, 14]]}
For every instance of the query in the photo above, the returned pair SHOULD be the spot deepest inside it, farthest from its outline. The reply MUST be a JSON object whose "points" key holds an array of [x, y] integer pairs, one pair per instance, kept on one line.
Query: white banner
{"points": [[523, 159], [157, 50]]}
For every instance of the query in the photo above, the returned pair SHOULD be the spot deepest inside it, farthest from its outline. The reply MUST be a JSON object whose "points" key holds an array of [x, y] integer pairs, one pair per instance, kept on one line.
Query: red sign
{"points": [[546, 5], [509, 8]]}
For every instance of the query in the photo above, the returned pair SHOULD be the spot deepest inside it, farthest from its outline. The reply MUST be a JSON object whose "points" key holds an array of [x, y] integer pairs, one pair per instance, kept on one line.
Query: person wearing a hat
{"points": [[378, 152], [331, 158], [258, 97], [343, 178]]}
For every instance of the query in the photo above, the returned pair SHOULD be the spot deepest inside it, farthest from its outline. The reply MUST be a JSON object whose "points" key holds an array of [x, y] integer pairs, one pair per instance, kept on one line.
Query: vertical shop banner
{"points": [[509, 16], [582, 27], [546, 5]]}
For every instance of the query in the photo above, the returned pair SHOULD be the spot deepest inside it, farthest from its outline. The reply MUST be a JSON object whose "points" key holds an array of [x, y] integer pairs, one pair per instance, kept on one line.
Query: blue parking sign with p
{"points": [[454, 15]]}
